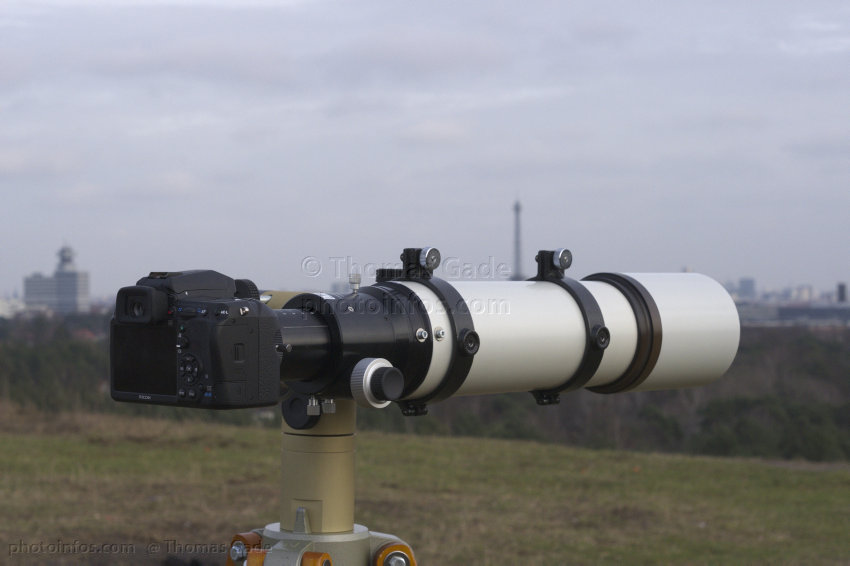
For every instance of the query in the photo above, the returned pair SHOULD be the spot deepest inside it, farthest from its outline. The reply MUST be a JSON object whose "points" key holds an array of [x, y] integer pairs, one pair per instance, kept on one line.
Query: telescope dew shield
{"points": [[699, 329]]}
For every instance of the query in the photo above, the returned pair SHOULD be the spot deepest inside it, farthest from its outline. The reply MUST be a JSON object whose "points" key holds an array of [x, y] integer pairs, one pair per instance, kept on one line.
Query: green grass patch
{"points": [[111, 479]]}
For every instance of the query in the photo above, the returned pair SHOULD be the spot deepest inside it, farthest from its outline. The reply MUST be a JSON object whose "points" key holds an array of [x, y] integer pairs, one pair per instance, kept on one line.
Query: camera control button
{"points": [[192, 394], [189, 366], [181, 393]]}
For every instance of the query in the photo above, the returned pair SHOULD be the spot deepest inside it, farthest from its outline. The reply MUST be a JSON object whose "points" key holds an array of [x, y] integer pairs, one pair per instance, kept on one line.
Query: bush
{"points": [[772, 427]]}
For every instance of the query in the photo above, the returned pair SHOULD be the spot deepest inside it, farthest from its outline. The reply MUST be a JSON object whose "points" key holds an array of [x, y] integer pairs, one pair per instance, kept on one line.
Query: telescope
{"points": [[200, 339]]}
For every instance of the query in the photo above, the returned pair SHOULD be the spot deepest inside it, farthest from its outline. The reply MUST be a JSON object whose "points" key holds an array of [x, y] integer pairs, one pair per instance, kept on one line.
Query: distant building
{"points": [[803, 294], [747, 289], [841, 293], [10, 307], [66, 292]]}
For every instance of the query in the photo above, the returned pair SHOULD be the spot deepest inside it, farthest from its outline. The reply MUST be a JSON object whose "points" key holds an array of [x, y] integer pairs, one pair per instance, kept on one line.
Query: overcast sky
{"points": [[248, 136]]}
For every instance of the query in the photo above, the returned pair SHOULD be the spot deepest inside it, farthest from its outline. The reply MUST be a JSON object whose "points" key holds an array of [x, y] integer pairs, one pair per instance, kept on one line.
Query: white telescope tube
{"points": [[667, 330], [532, 336]]}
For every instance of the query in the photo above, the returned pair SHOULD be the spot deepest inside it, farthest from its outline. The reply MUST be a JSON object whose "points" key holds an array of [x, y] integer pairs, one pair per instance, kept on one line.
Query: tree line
{"points": [[787, 395]]}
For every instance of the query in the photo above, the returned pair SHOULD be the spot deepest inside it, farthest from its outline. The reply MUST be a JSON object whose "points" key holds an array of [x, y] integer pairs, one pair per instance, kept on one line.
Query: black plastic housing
{"points": [[186, 339]]}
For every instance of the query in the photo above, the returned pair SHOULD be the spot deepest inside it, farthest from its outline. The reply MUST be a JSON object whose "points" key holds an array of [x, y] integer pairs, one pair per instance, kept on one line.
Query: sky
{"points": [[287, 142]]}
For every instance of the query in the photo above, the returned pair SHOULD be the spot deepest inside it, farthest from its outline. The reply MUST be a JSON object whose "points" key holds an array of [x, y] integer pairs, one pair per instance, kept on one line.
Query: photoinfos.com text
{"points": [[75, 547]]}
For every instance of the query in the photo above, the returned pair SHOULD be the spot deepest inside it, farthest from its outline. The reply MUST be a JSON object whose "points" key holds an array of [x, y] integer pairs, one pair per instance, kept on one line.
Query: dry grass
{"points": [[108, 479]]}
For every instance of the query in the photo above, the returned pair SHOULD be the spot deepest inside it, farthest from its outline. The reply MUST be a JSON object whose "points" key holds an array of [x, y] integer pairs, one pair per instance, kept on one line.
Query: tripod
{"points": [[316, 525]]}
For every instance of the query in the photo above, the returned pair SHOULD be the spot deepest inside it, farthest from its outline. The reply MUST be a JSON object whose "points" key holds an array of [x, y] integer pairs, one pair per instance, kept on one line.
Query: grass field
{"points": [[72, 483]]}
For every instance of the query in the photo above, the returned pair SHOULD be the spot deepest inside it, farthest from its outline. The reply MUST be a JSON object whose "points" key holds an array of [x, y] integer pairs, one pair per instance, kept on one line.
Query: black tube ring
{"points": [[598, 338], [465, 346], [648, 321]]}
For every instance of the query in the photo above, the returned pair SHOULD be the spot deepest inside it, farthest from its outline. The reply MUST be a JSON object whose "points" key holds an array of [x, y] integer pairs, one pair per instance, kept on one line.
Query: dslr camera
{"points": [[194, 338]]}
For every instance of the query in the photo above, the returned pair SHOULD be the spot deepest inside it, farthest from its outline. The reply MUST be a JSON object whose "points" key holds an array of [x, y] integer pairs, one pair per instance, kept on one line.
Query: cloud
{"points": [[816, 46], [824, 148], [316, 116], [410, 56], [434, 132], [23, 4], [161, 125], [822, 34], [604, 35], [21, 163]]}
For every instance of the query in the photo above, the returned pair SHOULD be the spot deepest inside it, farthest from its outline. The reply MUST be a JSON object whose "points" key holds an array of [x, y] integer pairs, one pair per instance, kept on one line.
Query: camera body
{"points": [[196, 339]]}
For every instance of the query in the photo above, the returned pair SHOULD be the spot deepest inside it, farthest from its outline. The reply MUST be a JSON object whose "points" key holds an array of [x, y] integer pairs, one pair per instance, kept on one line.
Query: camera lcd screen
{"points": [[144, 359]]}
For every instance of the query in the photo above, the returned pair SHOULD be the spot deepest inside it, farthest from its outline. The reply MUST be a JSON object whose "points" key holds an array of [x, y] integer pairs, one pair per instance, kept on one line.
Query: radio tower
{"points": [[517, 275]]}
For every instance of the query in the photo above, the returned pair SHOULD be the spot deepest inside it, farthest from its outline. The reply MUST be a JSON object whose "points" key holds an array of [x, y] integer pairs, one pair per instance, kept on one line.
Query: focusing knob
{"points": [[387, 384], [375, 382]]}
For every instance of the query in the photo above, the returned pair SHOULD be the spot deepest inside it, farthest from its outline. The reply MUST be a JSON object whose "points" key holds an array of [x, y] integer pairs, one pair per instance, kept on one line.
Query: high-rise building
{"points": [[747, 289], [66, 292]]}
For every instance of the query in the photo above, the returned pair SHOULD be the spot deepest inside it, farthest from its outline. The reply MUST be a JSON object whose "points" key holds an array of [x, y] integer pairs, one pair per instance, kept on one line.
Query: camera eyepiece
{"points": [[141, 305]]}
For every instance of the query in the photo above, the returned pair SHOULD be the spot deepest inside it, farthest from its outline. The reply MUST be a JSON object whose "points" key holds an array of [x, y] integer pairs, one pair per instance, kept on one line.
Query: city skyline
{"points": [[454, 268], [248, 136]]}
